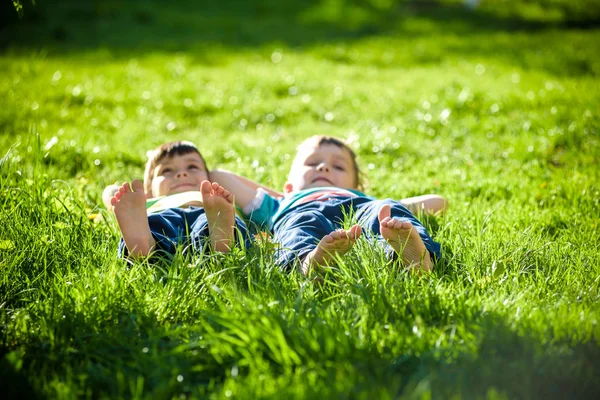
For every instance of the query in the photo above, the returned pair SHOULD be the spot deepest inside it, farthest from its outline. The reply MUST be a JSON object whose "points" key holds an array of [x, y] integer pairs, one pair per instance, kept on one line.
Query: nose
{"points": [[181, 173], [323, 167]]}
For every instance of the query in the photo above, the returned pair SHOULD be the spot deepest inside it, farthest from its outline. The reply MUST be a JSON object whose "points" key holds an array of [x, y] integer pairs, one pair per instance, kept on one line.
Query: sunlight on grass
{"points": [[498, 113]]}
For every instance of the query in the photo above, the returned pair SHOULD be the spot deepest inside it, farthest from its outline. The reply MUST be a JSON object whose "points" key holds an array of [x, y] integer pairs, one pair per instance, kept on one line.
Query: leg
{"points": [[404, 239], [371, 213], [218, 205], [130, 209], [199, 231], [299, 233]]}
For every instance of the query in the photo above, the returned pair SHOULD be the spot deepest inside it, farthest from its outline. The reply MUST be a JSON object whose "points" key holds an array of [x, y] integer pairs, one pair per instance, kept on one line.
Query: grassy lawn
{"points": [[497, 111]]}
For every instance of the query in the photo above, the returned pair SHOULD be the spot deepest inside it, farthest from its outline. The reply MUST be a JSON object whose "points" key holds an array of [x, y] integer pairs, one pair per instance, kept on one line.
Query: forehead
{"points": [[188, 157], [325, 150]]}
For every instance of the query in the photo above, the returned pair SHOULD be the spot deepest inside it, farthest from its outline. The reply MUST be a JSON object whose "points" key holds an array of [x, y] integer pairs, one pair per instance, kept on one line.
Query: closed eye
{"points": [[196, 167]]}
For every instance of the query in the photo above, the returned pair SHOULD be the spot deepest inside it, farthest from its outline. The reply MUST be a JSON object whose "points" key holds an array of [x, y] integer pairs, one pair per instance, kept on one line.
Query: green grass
{"points": [[497, 113]]}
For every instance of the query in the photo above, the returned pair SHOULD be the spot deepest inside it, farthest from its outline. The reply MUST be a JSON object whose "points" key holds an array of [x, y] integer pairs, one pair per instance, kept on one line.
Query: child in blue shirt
{"points": [[322, 189], [194, 209]]}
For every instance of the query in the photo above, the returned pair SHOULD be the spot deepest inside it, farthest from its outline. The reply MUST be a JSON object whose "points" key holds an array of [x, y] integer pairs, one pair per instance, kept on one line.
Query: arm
{"points": [[242, 188], [428, 204]]}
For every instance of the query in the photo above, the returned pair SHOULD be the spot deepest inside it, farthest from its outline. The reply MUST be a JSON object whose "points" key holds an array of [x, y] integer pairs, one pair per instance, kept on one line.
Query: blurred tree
{"points": [[569, 11], [18, 4], [11, 11]]}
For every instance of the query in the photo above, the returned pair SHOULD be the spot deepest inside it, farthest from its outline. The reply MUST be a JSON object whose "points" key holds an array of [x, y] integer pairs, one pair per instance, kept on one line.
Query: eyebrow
{"points": [[196, 160]]}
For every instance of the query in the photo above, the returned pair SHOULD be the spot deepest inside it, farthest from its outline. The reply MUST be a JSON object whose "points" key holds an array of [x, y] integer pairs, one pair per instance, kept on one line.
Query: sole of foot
{"points": [[331, 246], [220, 213], [129, 206], [405, 240]]}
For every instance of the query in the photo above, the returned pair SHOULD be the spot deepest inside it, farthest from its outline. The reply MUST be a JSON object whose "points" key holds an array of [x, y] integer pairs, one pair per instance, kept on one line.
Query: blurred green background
{"points": [[184, 25], [492, 104]]}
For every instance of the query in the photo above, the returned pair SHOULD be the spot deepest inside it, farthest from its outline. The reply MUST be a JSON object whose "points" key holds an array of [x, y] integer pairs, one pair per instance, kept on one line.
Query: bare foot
{"points": [[404, 239], [338, 242], [129, 205], [218, 205]]}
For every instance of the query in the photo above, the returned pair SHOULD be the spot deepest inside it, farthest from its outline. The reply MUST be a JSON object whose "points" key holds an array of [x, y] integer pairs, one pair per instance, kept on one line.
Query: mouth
{"points": [[322, 180], [183, 186]]}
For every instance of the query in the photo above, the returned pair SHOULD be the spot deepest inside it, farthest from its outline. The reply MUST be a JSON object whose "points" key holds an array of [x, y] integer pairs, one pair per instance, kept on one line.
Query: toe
{"points": [[384, 212], [386, 222], [137, 186], [205, 188], [355, 231], [393, 223], [398, 223], [327, 239]]}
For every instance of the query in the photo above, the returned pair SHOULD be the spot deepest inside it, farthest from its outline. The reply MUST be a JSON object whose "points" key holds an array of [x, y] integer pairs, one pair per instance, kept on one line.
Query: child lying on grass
{"points": [[196, 208], [321, 190]]}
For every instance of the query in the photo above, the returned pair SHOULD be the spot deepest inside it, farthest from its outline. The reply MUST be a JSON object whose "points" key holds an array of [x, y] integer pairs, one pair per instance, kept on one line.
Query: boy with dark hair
{"points": [[184, 205]]}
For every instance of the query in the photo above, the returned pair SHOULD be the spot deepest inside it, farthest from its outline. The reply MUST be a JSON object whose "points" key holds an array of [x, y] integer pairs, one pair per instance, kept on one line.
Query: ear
{"points": [[288, 188], [148, 196]]}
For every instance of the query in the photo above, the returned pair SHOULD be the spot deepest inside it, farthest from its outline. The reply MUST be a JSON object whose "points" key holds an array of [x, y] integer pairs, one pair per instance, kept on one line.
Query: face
{"points": [[325, 165], [177, 174]]}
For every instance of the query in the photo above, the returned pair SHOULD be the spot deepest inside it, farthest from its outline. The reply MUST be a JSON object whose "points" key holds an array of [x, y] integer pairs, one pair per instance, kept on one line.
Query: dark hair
{"points": [[319, 140], [167, 150]]}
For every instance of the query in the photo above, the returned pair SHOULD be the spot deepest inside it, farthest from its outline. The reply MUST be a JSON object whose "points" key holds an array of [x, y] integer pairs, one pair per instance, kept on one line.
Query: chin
{"points": [[319, 184], [184, 189]]}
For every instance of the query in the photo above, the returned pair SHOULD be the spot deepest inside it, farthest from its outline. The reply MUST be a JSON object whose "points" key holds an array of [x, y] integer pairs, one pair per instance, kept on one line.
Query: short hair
{"points": [[164, 151], [319, 140]]}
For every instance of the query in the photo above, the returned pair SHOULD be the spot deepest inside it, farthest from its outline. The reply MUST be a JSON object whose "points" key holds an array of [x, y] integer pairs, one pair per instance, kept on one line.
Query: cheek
{"points": [[201, 175], [308, 171], [304, 177], [158, 182], [349, 179]]}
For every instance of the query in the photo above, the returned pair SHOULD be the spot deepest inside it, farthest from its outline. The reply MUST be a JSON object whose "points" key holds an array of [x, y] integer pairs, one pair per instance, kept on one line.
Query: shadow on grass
{"points": [[129, 28], [13, 382], [103, 347], [514, 364], [500, 360]]}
